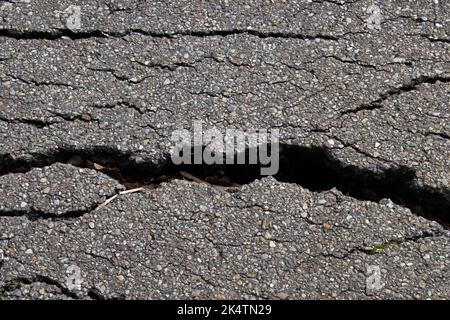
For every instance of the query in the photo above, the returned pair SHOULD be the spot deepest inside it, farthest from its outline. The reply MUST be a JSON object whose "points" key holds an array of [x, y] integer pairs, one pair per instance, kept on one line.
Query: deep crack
{"points": [[60, 33], [313, 168], [50, 35], [34, 214]]}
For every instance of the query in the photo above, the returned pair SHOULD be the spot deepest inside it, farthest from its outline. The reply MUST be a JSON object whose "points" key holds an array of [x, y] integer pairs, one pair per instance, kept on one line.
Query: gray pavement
{"points": [[86, 105]]}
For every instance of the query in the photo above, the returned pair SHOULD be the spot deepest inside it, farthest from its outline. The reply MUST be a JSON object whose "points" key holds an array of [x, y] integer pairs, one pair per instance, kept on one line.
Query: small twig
{"points": [[189, 176], [104, 204], [131, 190]]}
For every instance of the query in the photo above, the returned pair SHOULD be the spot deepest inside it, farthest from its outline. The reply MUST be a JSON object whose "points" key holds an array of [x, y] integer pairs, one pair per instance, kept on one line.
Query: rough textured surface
{"points": [[55, 191], [113, 89], [190, 240]]}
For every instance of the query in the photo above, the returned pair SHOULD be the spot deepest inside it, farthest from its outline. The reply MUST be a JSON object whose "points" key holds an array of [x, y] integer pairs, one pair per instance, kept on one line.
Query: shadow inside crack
{"points": [[313, 168]]}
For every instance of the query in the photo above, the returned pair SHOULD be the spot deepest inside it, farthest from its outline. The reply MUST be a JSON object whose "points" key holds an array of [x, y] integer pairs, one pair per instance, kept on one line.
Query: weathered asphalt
{"points": [[112, 91]]}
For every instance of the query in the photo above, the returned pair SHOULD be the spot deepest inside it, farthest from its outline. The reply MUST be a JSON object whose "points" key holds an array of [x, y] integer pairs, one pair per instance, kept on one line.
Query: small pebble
{"points": [[327, 226], [282, 295], [422, 284]]}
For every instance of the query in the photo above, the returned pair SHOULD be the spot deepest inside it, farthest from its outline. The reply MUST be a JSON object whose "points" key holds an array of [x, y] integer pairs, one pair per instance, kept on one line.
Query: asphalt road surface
{"points": [[91, 92]]}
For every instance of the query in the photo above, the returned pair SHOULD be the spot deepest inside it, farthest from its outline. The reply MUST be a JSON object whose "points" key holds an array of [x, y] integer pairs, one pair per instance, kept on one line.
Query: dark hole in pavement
{"points": [[310, 167]]}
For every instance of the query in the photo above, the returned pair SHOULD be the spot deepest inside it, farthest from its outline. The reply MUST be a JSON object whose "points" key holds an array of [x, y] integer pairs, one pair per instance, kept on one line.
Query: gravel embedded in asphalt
{"points": [[370, 90]]}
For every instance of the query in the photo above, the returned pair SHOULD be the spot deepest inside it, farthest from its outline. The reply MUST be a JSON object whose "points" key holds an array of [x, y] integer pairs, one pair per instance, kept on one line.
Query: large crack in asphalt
{"points": [[313, 168], [67, 33], [50, 35]]}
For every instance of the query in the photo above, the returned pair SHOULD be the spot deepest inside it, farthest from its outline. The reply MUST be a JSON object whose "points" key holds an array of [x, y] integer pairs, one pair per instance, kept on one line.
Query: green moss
{"points": [[382, 246], [12, 284], [377, 248]]}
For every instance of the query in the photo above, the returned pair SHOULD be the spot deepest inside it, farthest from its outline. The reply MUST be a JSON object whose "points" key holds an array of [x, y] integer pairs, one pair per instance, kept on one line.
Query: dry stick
{"points": [[189, 176], [132, 190], [104, 204]]}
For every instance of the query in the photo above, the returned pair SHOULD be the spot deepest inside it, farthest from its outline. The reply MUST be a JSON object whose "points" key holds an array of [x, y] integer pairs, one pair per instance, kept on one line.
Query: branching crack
{"points": [[438, 134], [33, 122], [39, 83], [410, 86], [378, 248], [16, 283]]}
